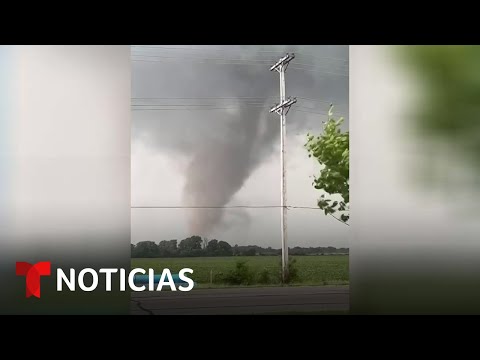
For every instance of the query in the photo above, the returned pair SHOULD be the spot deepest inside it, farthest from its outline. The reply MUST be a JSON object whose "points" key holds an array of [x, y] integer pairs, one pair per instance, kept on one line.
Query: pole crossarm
{"points": [[283, 62], [286, 104]]}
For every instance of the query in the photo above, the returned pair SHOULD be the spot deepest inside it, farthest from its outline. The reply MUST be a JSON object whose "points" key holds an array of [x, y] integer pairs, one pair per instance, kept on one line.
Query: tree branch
{"points": [[338, 219]]}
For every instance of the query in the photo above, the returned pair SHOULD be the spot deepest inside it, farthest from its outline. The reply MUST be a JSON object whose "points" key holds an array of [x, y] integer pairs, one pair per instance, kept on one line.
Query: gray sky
{"points": [[211, 141]]}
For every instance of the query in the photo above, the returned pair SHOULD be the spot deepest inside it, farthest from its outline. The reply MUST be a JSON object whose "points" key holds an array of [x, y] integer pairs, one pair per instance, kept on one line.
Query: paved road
{"points": [[241, 301]]}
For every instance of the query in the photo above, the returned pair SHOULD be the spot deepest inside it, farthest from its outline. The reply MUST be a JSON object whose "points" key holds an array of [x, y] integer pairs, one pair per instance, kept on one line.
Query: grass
{"points": [[208, 271]]}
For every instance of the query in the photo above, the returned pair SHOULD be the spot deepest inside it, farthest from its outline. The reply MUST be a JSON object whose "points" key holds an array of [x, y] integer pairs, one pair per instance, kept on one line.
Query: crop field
{"points": [[211, 271]]}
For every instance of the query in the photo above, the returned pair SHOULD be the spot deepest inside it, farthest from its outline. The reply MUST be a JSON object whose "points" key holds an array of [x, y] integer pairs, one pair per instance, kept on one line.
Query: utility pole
{"points": [[282, 110]]}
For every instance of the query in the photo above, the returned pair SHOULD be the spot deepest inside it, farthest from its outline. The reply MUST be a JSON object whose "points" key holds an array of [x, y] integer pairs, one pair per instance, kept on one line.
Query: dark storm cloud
{"points": [[227, 142]]}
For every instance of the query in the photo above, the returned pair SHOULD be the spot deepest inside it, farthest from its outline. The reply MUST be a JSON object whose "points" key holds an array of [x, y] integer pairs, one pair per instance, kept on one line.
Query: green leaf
{"points": [[331, 150]]}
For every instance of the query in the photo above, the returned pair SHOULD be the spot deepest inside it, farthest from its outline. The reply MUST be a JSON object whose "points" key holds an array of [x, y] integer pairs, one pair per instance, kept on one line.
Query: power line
{"points": [[242, 63], [239, 62], [339, 219], [313, 67], [197, 58], [226, 207], [239, 98], [308, 110], [282, 51], [205, 60], [318, 100], [210, 207], [311, 208], [261, 60], [207, 63], [225, 61], [202, 99], [320, 72], [319, 113], [228, 102], [209, 98], [246, 103], [186, 48], [322, 58], [211, 107], [234, 98], [184, 109], [288, 207], [200, 106], [206, 108], [180, 107]]}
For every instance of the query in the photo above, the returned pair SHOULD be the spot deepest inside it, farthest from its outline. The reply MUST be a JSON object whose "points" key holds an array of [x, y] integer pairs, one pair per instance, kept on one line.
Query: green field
{"points": [[208, 271]]}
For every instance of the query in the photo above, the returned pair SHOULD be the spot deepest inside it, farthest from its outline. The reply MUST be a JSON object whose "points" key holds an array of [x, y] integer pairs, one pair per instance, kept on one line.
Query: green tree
{"points": [[145, 249], [212, 248], [191, 246], [224, 248], [331, 150], [167, 248], [250, 252]]}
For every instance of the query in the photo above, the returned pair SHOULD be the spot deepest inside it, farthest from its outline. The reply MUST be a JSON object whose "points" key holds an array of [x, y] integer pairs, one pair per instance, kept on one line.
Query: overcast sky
{"points": [[202, 135]]}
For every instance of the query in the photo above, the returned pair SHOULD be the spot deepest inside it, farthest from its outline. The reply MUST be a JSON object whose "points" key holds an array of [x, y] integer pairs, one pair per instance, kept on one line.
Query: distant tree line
{"points": [[196, 246]]}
